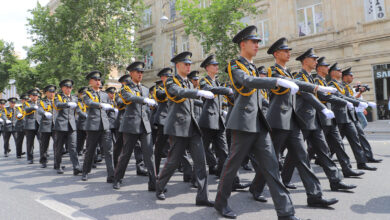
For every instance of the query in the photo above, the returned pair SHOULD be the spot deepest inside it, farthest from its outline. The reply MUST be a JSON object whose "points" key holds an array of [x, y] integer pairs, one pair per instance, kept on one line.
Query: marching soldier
{"points": [[9, 118], [81, 121], [46, 129], [330, 129], [136, 125], [31, 123], [308, 108], [198, 103], [118, 146], [212, 121], [19, 127], [347, 76], [112, 115], [344, 118], [183, 129], [65, 127], [284, 121], [162, 144], [98, 126], [2, 122], [250, 129]]}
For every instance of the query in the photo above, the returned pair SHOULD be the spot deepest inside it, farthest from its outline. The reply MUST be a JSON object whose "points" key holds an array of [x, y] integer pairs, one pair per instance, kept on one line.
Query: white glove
{"points": [[230, 91], [48, 115], [1, 120], [150, 102], [115, 110], [363, 105], [35, 107], [205, 94], [8, 121], [224, 113], [19, 115], [349, 105], [372, 104], [72, 104], [327, 89], [328, 113], [288, 84], [105, 106]]}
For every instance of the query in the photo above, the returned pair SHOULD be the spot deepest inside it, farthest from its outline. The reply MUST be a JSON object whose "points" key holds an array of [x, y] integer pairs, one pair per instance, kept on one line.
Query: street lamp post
{"points": [[164, 20]]}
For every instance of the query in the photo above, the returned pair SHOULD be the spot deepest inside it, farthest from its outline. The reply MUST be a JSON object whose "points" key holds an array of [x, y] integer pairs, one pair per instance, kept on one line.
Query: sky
{"points": [[13, 20]]}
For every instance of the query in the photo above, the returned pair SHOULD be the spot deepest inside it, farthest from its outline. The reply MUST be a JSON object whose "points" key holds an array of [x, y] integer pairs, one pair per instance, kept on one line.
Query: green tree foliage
{"points": [[81, 36], [7, 60], [216, 24]]}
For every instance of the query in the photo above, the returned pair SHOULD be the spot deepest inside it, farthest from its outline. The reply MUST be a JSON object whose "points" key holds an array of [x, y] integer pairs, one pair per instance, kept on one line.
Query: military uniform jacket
{"points": [[2, 123], [308, 105], [10, 114], [97, 119], [32, 118], [121, 110], [19, 126], [81, 112], [328, 102], [181, 121], [212, 112], [46, 124], [162, 109], [349, 94], [66, 117], [198, 108], [246, 114], [112, 116], [342, 114], [136, 118], [282, 108]]}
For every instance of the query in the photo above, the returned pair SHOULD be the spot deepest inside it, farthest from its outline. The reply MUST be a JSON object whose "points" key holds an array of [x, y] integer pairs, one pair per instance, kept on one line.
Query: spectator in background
{"points": [[360, 114]]}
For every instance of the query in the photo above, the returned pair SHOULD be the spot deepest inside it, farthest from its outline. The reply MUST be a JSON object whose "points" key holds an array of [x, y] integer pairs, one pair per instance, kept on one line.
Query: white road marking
{"points": [[63, 209]]}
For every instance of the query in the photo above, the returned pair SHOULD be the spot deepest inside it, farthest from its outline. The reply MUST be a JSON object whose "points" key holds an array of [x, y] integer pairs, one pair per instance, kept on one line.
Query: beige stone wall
{"points": [[347, 38]]}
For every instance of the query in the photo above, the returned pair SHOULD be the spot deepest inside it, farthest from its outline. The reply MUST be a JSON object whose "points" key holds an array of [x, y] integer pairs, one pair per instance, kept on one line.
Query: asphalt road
{"points": [[30, 192]]}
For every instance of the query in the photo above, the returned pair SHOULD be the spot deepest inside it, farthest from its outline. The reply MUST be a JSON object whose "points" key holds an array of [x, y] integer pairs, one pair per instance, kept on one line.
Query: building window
{"points": [[147, 19], [245, 20], [310, 17], [374, 10], [148, 56], [172, 9], [185, 43], [203, 52], [382, 90], [203, 3], [263, 30]]}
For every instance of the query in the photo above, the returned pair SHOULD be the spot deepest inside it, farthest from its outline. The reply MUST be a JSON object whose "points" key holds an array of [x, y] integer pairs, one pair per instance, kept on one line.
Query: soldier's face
{"points": [[183, 68], [195, 83], [2, 106], [212, 68], [136, 76], [336, 74], [111, 95], [95, 83], [348, 79], [164, 78], [323, 70], [66, 90], [49, 95], [12, 104], [310, 62], [283, 55], [250, 47], [33, 98]]}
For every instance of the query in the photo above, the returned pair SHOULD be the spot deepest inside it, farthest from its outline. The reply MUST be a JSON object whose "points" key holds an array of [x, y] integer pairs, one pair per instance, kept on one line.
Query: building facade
{"points": [[354, 33]]}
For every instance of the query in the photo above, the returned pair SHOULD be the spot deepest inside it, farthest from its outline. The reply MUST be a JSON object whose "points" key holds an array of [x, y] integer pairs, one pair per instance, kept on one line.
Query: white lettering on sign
{"points": [[384, 74]]}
